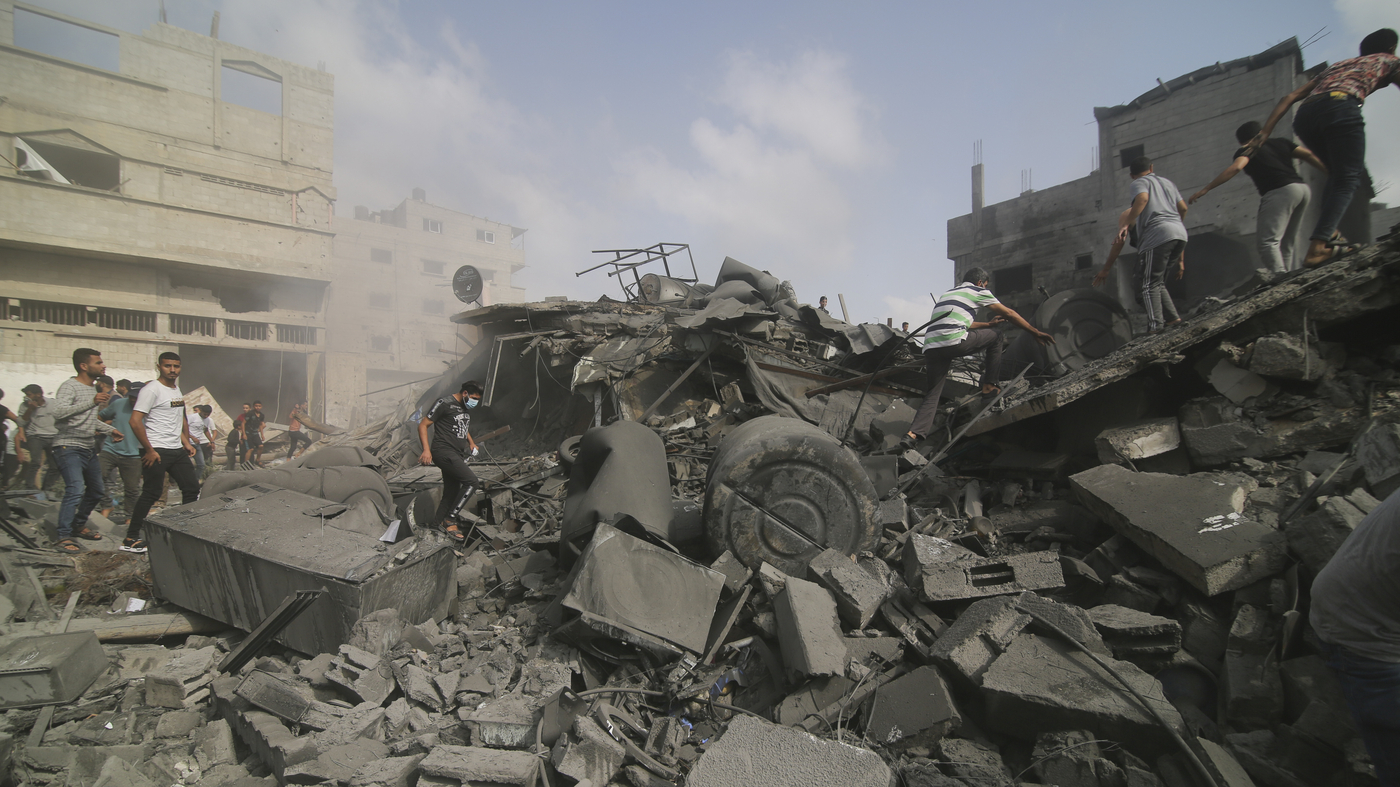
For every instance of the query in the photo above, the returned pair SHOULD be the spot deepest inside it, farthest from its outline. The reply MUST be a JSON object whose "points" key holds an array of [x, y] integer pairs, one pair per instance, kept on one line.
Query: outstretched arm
{"points": [[1279, 111], [1234, 169], [1304, 154], [1113, 252], [1012, 315]]}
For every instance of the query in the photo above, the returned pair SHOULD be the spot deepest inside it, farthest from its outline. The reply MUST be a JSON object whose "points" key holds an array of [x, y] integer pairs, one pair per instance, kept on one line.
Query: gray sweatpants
{"points": [[1155, 298], [1280, 217]]}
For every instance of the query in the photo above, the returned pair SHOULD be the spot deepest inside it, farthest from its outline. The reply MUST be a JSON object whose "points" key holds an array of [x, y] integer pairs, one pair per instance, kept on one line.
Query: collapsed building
{"points": [[701, 556]]}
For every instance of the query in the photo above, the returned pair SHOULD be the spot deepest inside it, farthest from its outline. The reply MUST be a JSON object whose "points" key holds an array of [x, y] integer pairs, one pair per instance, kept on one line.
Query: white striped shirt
{"points": [[954, 312]]}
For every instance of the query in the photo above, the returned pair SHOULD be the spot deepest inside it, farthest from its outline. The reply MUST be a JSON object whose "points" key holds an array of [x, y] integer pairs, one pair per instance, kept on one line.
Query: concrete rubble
{"points": [[701, 556]]}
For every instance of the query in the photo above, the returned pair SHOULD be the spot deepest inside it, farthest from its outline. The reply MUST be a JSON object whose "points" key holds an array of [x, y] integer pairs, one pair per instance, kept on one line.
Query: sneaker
{"points": [[136, 545]]}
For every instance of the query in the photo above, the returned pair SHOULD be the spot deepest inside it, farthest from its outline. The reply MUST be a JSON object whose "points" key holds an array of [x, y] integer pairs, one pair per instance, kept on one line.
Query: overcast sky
{"points": [[827, 142]]}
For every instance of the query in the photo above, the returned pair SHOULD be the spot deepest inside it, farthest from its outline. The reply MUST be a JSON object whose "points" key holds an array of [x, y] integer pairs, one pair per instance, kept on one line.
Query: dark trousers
{"points": [[1156, 261], [174, 461], [82, 479], [458, 483], [939, 360], [232, 451], [1334, 129], [124, 471], [39, 450], [292, 439], [1372, 691]]}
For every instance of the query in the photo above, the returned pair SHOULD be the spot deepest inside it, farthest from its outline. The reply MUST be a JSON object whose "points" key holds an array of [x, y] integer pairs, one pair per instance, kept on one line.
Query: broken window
{"points": [[432, 225], [432, 307], [183, 325], [381, 343], [1084, 262], [248, 84], [126, 320], [250, 331], [434, 267], [296, 334], [381, 300], [1014, 279], [1126, 155], [60, 38], [44, 158], [486, 236], [381, 255], [51, 313]]}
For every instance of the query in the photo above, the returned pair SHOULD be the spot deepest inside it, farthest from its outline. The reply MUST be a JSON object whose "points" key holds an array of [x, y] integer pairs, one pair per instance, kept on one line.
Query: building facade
{"points": [[166, 191], [1059, 237], [391, 296]]}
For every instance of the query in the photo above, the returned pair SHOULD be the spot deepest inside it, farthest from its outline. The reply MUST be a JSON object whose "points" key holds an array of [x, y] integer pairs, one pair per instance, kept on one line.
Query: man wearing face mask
{"points": [[450, 447]]}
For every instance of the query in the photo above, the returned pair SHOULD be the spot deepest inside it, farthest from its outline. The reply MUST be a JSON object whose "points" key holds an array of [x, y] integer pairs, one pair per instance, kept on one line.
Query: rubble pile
{"points": [[703, 557]]}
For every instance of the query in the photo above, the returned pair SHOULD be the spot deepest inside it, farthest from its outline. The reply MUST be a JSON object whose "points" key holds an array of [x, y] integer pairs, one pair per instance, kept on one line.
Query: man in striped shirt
{"points": [[955, 333]]}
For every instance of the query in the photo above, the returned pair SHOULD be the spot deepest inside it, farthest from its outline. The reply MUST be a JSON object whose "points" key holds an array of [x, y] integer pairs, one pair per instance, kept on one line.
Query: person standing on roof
{"points": [[1283, 196], [1158, 211], [75, 407], [158, 419], [450, 448], [1329, 122], [955, 333]]}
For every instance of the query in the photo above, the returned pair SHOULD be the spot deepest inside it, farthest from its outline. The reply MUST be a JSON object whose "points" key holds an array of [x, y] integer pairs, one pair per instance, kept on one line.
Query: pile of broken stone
{"points": [[719, 596]]}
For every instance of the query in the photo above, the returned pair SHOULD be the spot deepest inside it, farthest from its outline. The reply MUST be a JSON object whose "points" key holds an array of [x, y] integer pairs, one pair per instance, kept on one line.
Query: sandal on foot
{"points": [[70, 546], [456, 534], [1332, 253], [136, 545], [88, 534], [989, 395]]}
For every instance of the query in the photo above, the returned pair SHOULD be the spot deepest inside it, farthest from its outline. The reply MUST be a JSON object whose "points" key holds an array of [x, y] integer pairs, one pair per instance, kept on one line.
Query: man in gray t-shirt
{"points": [[1158, 210], [1356, 614]]}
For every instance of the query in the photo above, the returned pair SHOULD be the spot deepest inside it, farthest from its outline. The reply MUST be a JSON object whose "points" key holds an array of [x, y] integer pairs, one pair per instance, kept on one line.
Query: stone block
{"points": [[588, 753], [972, 763], [361, 674], [979, 577], [756, 752], [178, 723], [1378, 451], [734, 571], [213, 745], [388, 772], [858, 593], [812, 696], [1192, 524], [921, 551], [1128, 632], [181, 678], [1138, 441], [473, 765], [1068, 618], [809, 630], [1316, 537], [1285, 357], [912, 710], [336, 764], [979, 635], [1041, 684]]}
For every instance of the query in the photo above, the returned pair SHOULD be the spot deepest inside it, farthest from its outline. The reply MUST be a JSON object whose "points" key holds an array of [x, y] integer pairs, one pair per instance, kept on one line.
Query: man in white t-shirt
{"points": [[198, 436], [158, 419]]}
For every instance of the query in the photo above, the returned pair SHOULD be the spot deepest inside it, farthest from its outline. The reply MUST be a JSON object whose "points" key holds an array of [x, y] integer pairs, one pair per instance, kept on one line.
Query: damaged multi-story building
{"points": [[1058, 238], [392, 292], [167, 191]]}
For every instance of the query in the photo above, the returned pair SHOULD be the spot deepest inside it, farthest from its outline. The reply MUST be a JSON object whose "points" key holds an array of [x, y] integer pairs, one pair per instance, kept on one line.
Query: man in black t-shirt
{"points": [[450, 447], [1283, 196], [253, 424]]}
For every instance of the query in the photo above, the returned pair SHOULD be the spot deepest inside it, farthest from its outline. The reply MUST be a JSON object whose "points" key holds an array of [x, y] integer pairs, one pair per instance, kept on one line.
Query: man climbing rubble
{"points": [[450, 448], [954, 333], [158, 419]]}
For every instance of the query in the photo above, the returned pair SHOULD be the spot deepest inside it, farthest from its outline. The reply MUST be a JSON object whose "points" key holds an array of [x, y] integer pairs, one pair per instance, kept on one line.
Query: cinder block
{"points": [[858, 593], [809, 630]]}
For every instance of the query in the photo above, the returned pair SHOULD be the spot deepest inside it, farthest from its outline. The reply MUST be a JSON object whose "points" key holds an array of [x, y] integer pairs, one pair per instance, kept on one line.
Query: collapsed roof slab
{"points": [[1362, 283]]}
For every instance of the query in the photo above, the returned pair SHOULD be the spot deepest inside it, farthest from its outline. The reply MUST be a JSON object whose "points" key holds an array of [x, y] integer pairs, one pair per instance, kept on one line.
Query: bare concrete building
{"points": [[163, 191], [1059, 237], [391, 295]]}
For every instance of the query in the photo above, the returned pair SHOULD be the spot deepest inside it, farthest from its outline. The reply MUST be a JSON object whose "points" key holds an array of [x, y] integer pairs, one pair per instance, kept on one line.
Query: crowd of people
{"points": [[109, 445]]}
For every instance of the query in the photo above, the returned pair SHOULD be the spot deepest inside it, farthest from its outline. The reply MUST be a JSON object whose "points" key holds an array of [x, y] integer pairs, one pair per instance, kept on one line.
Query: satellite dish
{"points": [[467, 284]]}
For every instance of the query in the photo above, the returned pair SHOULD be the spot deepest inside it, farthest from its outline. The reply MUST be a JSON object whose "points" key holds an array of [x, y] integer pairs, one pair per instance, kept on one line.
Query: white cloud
{"points": [[771, 186], [913, 311]]}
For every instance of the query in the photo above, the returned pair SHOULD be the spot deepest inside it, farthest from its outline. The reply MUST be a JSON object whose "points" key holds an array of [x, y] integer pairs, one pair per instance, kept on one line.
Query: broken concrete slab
{"points": [[1138, 441], [1285, 357], [1063, 516], [1072, 620], [1316, 537], [49, 670], [632, 590], [913, 711], [972, 763], [178, 723], [473, 765], [1041, 683], [978, 637], [181, 678], [588, 753], [753, 751], [336, 764], [1378, 451], [1192, 524], [388, 772], [1128, 632], [363, 675], [735, 573], [809, 630], [858, 593], [117, 772], [811, 697], [978, 577]]}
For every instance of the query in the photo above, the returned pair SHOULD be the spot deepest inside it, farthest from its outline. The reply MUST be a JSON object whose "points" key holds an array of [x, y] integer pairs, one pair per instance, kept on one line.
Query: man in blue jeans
{"points": [[1329, 122], [75, 408], [1356, 614]]}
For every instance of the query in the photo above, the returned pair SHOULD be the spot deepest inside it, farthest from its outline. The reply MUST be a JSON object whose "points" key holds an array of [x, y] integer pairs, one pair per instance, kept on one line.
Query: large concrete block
{"points": [[1192, 524], [809, 630], [234, 557], [913, 710], [1316, 537], [979, 577], [1138, 441], [1287, 358], [472, 765], [980, 634], [1128, 632], [756, 752], [49, 670], [858, 593], [1041, 684]]}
